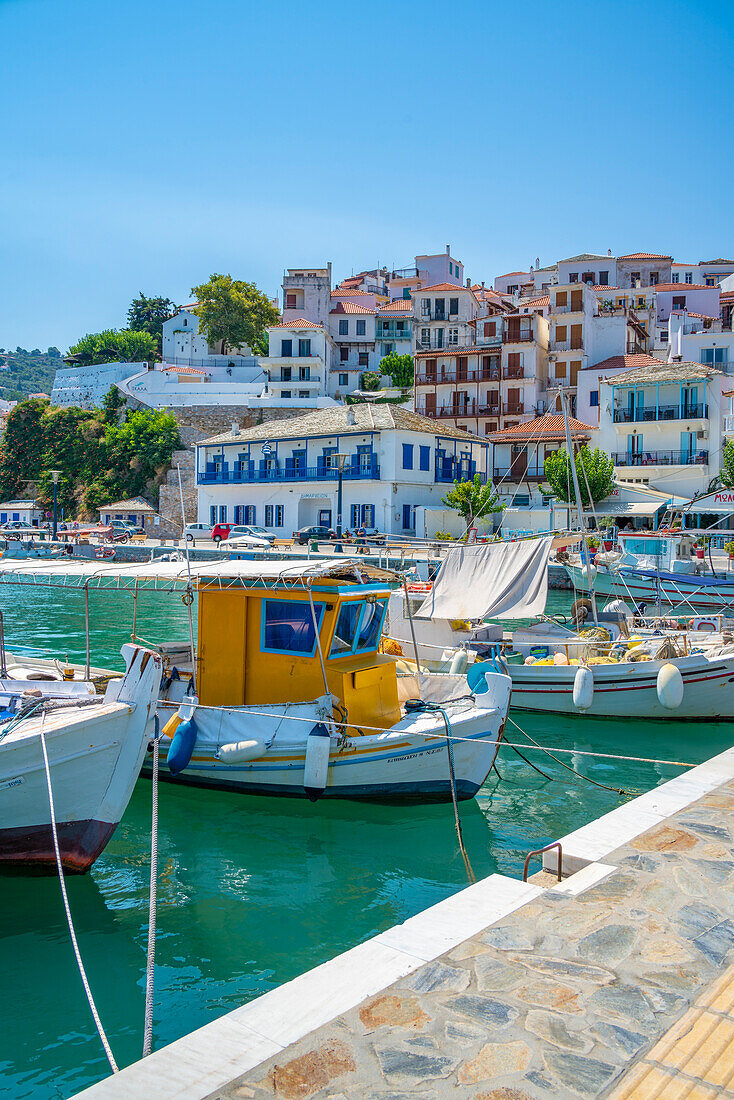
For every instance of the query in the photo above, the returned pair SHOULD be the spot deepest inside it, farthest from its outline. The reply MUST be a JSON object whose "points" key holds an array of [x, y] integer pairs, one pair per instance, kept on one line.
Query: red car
{"points": [[221, 531]]}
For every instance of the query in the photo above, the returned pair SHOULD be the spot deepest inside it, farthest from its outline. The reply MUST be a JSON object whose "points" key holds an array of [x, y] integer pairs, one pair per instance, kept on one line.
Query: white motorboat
{"points": [[95, 746]]}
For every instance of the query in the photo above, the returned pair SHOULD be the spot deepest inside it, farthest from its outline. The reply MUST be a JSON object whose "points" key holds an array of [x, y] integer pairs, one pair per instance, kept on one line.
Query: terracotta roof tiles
{"points": [[300, 322], [547, 427], [643, 256], [350, 307]]}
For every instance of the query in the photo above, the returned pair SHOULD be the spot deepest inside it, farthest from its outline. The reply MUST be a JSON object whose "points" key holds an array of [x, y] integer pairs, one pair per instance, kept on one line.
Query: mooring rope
{"points": [[69, 921], [152, 902]]}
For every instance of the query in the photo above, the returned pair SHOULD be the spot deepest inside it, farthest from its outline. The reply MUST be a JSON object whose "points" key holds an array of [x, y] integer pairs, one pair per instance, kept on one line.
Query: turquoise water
{"points": [[255, 891]]}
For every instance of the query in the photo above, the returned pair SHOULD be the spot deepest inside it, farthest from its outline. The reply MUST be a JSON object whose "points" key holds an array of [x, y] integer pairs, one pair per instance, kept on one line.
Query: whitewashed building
{"points": [[662, 425], [283, 474], [353, 329]]}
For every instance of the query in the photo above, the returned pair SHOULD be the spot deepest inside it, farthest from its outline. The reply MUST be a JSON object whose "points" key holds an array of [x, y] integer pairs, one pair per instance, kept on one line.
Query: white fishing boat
{"points": [[607, 670], [657, 567], [95, 746]]}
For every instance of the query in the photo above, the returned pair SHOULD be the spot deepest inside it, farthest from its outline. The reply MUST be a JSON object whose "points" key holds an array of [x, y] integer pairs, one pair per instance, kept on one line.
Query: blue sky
{"points": [[149, 144]]}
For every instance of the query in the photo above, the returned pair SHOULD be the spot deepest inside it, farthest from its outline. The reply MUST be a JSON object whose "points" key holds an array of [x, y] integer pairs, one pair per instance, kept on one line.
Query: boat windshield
{"points": [[288, 626], [371, 625], [346, 628]]}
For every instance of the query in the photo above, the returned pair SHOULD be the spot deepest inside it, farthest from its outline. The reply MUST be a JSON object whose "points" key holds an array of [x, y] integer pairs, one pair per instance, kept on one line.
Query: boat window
{"points": [[288, 626], [346, 629], [371, 625]]}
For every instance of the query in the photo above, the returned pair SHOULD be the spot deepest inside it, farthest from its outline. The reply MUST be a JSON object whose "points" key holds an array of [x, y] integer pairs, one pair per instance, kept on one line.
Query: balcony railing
{"points": [[448, 473], [729, 423], [513, 372], [517, 473], [457, 412], [244, 476], [660, 458], [568, 309], [577, 344], [438, 343], [491, 374], [519, 336], [661, 412], [510, 408], [395, 333]]}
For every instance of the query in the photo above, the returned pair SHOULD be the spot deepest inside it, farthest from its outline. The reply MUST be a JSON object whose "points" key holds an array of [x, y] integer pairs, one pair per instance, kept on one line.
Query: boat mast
{"points": [[579, 506]]}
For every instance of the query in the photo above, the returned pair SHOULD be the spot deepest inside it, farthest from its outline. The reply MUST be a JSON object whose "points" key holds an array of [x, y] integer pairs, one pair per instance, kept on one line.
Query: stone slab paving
{"points": [[617, 988]]}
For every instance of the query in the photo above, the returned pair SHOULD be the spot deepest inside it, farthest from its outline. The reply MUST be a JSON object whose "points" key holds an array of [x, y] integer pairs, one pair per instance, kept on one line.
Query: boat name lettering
{"points": [[414, 755], [15, 782]]}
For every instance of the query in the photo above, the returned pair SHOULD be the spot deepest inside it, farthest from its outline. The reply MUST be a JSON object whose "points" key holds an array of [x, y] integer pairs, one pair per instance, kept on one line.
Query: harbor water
{"points": [[254, 891]]}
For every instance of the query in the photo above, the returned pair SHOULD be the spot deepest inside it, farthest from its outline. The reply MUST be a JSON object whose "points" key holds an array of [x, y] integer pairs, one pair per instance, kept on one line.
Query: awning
{"points": [[627, 508], [720, 503], [500, 580]]}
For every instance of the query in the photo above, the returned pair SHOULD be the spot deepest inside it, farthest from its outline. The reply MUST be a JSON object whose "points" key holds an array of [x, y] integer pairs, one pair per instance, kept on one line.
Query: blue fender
{"points": [[476, 677], [182, 747]]}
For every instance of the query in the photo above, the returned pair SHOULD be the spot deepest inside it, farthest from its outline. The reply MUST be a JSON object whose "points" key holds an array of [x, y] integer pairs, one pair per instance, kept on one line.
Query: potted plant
{"points": [[604, 522], [729, 547], [700, 548]]}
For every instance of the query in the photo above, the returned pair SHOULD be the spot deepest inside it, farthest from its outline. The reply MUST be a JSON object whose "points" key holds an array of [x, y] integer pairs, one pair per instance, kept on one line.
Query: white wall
{"points": [[86, 387]]}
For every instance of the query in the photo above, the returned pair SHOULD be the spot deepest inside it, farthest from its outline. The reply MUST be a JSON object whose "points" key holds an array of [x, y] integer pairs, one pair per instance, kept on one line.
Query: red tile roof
{"points": [[539, 303], [350, 307], [643, 256], [627, 362], [605, 286], [346, 292], [546, 427], [400, 305], [683, 265], [701, 316], [509, 273], [300, 322], [183, 370], [682, 286]]}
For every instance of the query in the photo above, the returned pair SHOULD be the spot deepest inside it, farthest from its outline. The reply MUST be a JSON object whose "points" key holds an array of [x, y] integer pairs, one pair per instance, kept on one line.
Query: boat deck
{"points": [[63, 718], [615, 982]]}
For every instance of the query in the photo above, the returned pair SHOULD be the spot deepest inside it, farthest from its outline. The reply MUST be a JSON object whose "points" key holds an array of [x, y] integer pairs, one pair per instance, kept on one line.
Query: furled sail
{"points": [[499, 580]]}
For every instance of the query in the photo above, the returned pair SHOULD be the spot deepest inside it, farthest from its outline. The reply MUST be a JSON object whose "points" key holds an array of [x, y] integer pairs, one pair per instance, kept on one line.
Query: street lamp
{"points": [[55, 474], [340, 461]]}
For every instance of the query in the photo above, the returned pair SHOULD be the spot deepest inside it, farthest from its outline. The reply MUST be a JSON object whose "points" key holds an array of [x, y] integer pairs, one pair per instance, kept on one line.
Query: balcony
{"points": [[579, 308], [394, 333], [729, 424], [661, 412], [511, 408], [577, 344], [519, 336], [244, 476], [448, 471], [516, 473], [449, 377], [660, 458], [513, 372], [446, 343]]}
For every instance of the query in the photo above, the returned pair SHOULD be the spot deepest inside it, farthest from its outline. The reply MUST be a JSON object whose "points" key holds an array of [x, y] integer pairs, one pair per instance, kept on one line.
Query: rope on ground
{"points": [[64, 895], [152, 904]]}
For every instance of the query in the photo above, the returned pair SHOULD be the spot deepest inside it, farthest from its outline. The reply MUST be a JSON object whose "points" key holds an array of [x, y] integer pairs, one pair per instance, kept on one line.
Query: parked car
{"points": [[305, 534], [254, 530], [221, 531], [193, 531]]}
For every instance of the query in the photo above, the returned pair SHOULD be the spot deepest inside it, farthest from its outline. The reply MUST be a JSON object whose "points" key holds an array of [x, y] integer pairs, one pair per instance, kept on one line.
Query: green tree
{"points": [[112, 404], [370, 381], [52, 353], [148, 315], [400, 368], [726, 473], [595, 467], [473, 501], [234, 313], [113, 346]]}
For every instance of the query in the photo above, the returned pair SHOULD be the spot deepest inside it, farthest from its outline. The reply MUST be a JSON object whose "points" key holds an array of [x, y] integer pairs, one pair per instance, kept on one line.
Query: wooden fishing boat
{"points": [[95, 746]]}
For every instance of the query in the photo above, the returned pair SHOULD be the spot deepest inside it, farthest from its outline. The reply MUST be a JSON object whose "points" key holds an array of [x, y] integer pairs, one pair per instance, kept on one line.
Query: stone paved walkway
{"points": [[615, 992]]}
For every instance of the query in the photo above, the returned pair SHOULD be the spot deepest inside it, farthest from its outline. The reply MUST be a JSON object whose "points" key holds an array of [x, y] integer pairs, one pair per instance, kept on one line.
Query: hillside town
{"points": [[640, 346]]}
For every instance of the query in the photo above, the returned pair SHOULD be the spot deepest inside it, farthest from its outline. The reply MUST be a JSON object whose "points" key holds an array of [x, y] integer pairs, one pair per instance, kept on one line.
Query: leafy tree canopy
{"points": [[399, 367], [473, 501], [53, 353], [234, 313], [148, 314], [370, 381], [113, 346], [100, 461], [595, 467], [726, 473]]}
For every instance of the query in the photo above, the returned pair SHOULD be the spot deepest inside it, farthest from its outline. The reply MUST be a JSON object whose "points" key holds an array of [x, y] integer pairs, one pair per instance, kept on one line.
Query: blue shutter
{"points": [[425, 458], [407, 456]]}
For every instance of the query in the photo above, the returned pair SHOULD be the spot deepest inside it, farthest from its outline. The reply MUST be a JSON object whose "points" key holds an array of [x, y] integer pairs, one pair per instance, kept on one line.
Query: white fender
{"points": [[316, 769], [459, 661], [588, 573], [239, 752], [670, 687], [583, 688]]}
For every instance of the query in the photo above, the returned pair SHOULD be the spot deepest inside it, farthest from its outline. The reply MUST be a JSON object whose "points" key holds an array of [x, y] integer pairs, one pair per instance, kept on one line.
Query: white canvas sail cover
{"points": [[500, 580]]}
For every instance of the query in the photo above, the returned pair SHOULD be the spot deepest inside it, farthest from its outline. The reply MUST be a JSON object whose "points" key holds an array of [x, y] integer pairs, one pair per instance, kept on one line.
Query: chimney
{"points": [[235, 429], [537, 261], [609, 252], [350, 416], [468, 284], [448, 249]]}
